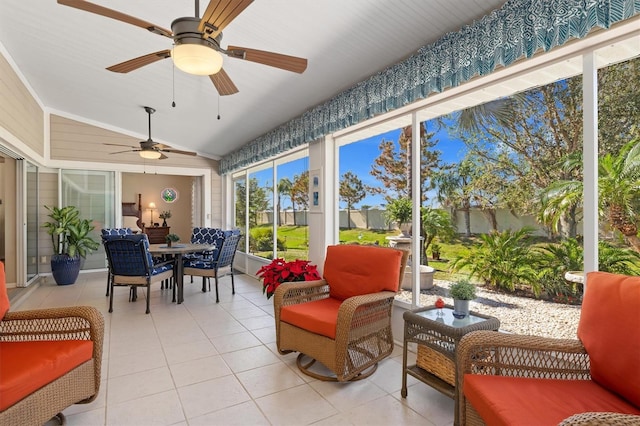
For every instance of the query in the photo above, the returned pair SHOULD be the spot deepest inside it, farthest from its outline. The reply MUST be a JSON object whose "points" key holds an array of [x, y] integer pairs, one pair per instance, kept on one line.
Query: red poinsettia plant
{"points": [[280, 271]]}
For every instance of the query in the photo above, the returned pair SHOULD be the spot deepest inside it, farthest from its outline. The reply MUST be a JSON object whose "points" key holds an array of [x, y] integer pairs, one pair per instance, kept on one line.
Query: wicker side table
{"points": [[439, 332]]}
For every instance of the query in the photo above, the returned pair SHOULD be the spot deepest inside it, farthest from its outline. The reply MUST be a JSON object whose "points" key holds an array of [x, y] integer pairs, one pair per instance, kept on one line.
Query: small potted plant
{"points": [[462, 292], [171, 238], [71, 240], [399, 211], [435, 251], [164, 216]]}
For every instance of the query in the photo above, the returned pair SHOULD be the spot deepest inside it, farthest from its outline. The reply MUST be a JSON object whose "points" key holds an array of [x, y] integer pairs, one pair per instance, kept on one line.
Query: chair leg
{"points": [[217, 298], [204, 284], [233, 285], [111, 297], [108, 283], [148, 297]]}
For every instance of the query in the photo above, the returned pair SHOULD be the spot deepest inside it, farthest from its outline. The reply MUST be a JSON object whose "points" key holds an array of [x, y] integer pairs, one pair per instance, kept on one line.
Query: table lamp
{"points": [[152, 206]]}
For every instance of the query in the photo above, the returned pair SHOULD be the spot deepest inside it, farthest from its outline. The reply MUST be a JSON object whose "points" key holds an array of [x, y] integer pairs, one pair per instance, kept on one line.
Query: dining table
{"points": [[178, 250]]}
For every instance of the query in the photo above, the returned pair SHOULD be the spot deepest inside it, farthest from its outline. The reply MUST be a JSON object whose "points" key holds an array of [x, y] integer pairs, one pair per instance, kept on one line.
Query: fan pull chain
{"points": [[218, 107], [173, 86]]}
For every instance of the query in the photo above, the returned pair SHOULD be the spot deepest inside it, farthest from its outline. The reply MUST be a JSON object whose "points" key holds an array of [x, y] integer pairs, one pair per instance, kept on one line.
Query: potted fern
{"points": [[72, 241]]}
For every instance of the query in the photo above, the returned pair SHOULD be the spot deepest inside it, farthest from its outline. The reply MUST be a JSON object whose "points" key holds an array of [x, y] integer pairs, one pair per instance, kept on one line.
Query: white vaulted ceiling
{"points": [[62, 53]]}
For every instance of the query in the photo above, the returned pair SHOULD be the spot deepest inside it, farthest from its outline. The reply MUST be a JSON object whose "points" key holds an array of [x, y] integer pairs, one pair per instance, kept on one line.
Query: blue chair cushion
{"points": [[127, 264], [117, 231]]}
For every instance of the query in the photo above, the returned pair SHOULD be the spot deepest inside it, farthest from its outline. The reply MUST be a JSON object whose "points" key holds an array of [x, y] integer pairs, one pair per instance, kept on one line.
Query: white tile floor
{"points": [[202, 363]]}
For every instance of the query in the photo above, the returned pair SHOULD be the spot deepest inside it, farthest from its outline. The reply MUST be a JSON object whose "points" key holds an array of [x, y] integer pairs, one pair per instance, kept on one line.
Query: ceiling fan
{"points": [[149, 149], [197, 48]]}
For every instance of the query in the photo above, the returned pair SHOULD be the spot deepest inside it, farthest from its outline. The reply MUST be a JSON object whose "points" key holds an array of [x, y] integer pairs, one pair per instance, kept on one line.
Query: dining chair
{"points": [[114, 231], [205, 235], [131, 264], [208, 267]]}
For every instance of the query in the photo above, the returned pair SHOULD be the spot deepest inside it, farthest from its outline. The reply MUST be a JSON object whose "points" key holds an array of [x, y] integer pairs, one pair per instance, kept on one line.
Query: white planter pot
{"points": [[426, 278], [460, 308]]}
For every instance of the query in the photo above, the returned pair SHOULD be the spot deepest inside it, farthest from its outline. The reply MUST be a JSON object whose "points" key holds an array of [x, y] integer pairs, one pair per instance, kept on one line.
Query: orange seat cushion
{"points": [[609, 329], [353, 270], [4, 297], [504, 400], [319, 316], [28, 366]]}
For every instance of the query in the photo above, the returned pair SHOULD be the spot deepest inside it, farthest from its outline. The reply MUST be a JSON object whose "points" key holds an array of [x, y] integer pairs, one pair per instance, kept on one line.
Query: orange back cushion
{"points": [[609, 329], [353, 270], [4, 297]]}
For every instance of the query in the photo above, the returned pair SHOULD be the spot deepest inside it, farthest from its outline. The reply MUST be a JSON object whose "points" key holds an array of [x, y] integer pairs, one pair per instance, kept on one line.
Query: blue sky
{"points": [[358, 157]]}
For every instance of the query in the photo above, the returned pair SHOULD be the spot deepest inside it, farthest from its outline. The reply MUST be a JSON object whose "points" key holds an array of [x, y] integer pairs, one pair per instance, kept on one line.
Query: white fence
{"points": [[374, 219]]}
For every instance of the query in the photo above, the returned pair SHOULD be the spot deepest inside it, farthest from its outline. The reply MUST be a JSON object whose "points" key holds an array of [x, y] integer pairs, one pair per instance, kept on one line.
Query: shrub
{"points": [[502, 260], [552, 261], [555, 259], [261, 239]]}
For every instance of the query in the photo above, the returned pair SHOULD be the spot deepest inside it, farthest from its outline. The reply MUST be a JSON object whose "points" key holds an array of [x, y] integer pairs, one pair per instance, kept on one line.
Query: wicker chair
{"points": [[209, 266], [131, 264], [344, 320], [45, 400], [589, 381]]}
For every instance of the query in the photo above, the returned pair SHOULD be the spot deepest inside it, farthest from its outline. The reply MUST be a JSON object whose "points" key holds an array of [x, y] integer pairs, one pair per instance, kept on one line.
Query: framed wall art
{"points": [[169, 195], [315, 191]]}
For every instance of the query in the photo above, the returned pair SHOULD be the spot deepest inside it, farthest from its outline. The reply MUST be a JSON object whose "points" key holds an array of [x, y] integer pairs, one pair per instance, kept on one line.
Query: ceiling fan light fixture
{"points": [[150, 154], [196, 59]]}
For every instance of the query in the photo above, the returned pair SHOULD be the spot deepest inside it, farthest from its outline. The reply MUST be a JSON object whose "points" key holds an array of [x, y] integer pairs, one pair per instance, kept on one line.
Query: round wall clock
{"points": [[169, 195]]}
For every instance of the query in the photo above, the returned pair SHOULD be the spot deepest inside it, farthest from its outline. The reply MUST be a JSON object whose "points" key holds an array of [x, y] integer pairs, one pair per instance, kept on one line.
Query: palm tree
{"points": [[497, 112], [284, 189], [618, 193]]}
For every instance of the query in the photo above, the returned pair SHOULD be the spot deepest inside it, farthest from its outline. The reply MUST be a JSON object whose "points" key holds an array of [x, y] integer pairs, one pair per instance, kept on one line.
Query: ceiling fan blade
{"points": [[278, 60], [114, 14], [162, 157], [141, 61], [219, 14], [223, 83], [118, 144], [177, 151], [122, 152]]}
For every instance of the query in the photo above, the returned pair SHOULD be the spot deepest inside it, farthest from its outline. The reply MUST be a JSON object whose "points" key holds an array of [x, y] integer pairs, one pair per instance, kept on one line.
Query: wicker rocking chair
{"points": [[344, 320]]}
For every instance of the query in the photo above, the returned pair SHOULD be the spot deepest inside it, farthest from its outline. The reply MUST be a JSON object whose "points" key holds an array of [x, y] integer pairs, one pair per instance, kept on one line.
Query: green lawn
{"points": [[296, 240]]}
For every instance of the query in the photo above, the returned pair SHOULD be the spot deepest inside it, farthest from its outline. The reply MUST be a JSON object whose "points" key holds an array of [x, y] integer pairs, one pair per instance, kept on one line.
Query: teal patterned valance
{"points": [[518, 29]]}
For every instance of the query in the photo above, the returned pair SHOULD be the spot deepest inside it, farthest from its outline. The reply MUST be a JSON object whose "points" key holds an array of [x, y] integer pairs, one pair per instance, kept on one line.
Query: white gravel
{"points": [[520, 315]]}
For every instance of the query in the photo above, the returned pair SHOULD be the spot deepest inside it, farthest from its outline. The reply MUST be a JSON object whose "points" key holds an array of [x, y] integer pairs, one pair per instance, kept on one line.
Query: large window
{"points": [[240, 211], [93, 193], [274, 216]]}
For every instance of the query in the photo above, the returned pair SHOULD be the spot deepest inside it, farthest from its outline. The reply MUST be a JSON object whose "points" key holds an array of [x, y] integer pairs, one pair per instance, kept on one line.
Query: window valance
{"points": [[518, 29]]}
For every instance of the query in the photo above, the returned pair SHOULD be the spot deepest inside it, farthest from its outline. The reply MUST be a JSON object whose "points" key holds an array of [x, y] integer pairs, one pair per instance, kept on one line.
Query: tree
{"points": [[435, 223], [618, 193], [240, 197], [618, 105], [351, 192], [258, 201], [300, 192], [393, 166], [520, 150], [284, 189], [452, 191]]}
